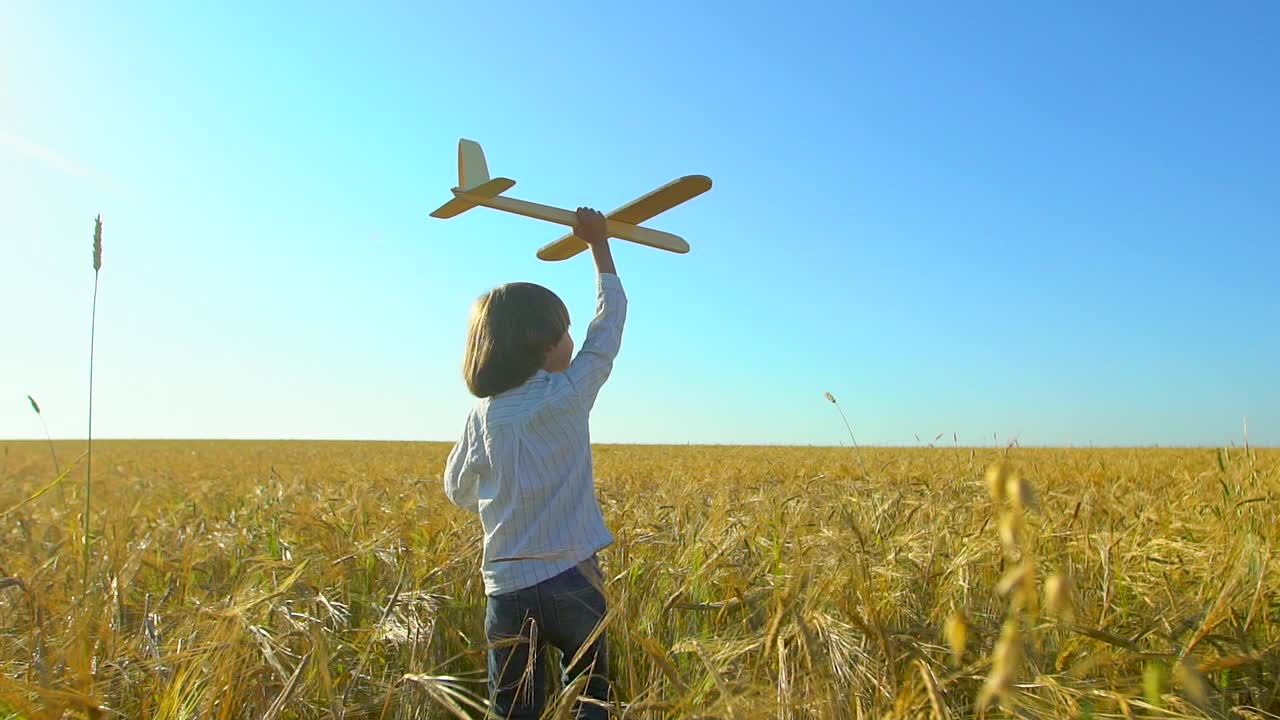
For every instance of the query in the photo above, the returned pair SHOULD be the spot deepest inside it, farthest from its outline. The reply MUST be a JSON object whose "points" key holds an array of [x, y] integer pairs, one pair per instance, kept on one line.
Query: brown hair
{"points": [[513, 327]]}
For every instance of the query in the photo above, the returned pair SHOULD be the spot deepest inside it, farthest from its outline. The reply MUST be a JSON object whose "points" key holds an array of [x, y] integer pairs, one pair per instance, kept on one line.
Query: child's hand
{"points": [[591, 226]]}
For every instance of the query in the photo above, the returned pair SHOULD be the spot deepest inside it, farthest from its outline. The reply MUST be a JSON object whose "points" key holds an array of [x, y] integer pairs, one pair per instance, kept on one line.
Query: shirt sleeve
{"points": [[594, 362], [463, 470]]}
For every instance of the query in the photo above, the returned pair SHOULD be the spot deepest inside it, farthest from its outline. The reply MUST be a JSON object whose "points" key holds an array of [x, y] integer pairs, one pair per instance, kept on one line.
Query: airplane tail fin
{"points": [[473, 178], [472, 169]]}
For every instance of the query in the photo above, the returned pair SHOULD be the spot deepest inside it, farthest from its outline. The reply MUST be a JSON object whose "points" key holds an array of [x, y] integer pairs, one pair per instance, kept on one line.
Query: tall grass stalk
{"points": [[832, 399], [52, 453], [88, 468]]}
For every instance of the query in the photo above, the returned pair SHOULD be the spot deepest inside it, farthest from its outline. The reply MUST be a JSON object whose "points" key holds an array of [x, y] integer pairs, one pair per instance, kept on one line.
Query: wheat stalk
{"points": [[88, 469], [832, 399], [52, 453]]}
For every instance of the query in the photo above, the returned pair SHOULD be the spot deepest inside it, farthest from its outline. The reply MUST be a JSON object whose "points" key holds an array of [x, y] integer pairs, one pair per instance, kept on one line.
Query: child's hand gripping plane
{"points": [[476, 188]]}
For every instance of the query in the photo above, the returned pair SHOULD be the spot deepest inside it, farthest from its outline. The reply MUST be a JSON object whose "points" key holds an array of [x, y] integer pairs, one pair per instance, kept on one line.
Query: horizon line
{"points": [[929, 446]]}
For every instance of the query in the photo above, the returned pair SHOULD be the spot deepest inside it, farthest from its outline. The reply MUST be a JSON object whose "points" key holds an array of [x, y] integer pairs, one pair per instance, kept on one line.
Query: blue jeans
{"points": [[562, 611]]}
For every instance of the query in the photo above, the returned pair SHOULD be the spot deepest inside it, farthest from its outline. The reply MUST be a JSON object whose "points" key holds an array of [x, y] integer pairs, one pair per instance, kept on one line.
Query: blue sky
{"points": [[1055, 224]]}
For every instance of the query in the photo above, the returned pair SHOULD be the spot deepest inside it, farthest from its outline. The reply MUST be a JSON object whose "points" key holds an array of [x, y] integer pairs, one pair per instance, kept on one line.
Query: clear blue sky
{"points": [[1056, 224]]}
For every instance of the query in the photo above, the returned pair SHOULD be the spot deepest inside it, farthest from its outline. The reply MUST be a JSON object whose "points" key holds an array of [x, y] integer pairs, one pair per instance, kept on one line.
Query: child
{"points": [[524, 464]]}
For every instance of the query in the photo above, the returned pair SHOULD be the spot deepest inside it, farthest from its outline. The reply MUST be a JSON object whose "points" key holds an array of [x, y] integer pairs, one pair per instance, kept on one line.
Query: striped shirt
{"points": [[524, 461]]}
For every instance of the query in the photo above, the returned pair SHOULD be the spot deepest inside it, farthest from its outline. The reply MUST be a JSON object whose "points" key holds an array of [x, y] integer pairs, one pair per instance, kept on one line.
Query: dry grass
{"points": [[299, 580]]}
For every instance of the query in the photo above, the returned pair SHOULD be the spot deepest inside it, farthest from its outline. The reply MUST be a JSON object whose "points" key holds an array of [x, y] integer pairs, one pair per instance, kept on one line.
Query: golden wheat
{"points": [[334, 580]]}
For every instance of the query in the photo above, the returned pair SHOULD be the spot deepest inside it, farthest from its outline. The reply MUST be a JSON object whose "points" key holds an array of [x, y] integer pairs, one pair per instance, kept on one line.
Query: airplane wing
{"points": [[634, 213], [490, 188]]}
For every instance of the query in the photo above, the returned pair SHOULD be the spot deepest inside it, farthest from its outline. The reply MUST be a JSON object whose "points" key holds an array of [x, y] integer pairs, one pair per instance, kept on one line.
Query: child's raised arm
{"points": [[594, 362]]}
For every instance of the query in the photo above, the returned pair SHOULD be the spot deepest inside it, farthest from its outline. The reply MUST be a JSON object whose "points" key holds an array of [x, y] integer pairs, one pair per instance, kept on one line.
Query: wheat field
{"points": [[334, 580]]}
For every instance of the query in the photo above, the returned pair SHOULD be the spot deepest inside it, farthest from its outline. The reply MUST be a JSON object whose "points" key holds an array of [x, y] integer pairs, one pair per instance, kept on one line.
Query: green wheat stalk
{"points": [[88, 468], [52, 453]]}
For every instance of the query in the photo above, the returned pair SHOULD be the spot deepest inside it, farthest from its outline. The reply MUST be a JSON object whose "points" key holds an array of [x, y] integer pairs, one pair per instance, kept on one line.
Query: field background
{"points": [[334, 580]]}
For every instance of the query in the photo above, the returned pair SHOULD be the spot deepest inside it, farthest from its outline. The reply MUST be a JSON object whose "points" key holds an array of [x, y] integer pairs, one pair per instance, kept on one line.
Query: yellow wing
{"points": [[634, 213]]}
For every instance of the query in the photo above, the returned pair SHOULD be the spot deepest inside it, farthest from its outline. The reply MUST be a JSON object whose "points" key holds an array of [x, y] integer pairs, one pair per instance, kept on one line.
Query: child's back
{"points": [[525, 461]]}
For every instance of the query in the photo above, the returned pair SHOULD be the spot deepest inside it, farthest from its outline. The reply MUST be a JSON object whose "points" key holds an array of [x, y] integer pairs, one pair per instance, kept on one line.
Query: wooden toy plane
{"points": [[475, 187]]}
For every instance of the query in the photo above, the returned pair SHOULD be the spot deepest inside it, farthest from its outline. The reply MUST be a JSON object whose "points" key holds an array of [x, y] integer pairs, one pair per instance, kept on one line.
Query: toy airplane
{"points": [[476, 188]]}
